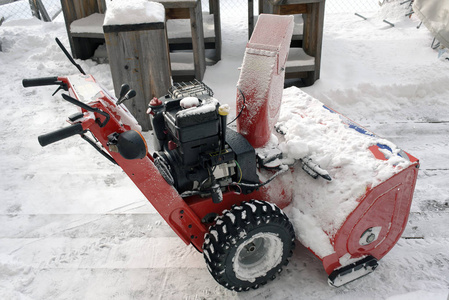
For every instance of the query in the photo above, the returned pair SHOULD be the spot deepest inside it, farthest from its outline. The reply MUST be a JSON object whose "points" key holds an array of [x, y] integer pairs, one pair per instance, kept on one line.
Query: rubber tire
{"points": [[237, 226]]}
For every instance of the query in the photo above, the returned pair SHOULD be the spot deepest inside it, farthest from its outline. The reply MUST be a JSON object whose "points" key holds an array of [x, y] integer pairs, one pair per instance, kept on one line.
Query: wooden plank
{"points": [[185, 43], [293, 75], [133, 27], [89, 35], [299, 62], [177, 13], [291, 9]]}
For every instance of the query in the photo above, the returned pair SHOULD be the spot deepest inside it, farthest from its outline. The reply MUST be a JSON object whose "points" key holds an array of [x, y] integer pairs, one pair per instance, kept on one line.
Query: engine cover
{"points": [[193, 154]]}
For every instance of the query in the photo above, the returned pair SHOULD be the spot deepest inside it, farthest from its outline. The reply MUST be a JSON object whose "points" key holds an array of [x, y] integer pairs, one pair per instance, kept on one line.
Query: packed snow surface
{"points": [[73, 226]]}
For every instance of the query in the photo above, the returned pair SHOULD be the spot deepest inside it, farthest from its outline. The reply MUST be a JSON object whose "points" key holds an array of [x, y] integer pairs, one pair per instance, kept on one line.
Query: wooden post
{"points": [[34, 9], [217, 28], [139, 56], [43, 11], [313, 37], [250, 18], [196, 22], [1, 22]]}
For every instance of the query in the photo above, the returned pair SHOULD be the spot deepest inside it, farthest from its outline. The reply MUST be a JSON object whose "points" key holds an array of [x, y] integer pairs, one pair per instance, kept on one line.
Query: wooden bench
{"points": [[181, 66], [84, 21], [304, 62], [180, 37], [297, 30]]}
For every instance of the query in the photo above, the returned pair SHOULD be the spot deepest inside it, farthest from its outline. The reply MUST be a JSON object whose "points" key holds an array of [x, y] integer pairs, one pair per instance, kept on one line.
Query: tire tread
{"points": [[233, 226]]}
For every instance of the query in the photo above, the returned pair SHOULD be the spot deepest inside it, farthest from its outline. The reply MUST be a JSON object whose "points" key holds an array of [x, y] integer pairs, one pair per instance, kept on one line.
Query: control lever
{"points": [[125, 94], [123, 90], [88, 108]]}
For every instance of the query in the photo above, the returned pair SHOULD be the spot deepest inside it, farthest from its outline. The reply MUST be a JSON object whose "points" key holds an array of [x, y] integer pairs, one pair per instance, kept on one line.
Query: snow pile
{"points": [[312, 131], [92, 24], [393, 11], [208, 106], [134, 12], [189, 102]]}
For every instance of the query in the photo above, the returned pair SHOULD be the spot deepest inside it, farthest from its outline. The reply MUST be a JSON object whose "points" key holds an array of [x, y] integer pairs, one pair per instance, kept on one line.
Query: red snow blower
{"points": [[220, 189]]}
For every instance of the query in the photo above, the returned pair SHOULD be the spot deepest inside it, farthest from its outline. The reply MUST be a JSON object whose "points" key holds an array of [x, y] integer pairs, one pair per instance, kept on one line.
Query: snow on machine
{"points": [[296, 171]]}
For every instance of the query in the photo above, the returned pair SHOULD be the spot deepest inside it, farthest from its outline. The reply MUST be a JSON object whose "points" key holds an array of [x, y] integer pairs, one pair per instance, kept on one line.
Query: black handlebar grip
{"points": [[40, 81], [60, 134]]}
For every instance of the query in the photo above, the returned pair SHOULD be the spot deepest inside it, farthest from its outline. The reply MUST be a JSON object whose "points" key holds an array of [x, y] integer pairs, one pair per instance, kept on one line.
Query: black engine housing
{"points": [[190, 152]]}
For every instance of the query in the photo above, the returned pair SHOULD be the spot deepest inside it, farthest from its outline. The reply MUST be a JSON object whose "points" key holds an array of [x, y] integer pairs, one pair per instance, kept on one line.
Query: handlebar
{"points": [[41, 81], [60, 134], [74, 129]]}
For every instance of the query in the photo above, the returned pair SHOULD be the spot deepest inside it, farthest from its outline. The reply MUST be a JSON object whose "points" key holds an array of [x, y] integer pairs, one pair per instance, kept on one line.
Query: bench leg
{"points": [[199, 53]]}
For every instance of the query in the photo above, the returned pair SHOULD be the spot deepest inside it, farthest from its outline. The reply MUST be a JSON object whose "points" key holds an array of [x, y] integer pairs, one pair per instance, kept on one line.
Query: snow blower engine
{"points": [[195, 151]]}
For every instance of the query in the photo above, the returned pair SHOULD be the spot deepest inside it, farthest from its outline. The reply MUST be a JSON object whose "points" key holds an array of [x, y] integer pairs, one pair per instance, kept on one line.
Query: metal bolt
{"points": [[250, 247], [371, 238], [370, 235]]}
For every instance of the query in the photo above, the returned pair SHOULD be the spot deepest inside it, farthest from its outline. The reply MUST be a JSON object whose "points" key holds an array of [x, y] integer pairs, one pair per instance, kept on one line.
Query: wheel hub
{"points": [[258, 255]]}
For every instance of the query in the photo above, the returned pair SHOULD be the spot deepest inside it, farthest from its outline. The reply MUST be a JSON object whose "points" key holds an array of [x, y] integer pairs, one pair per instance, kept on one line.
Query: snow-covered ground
{"points": [[72, 226]]}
